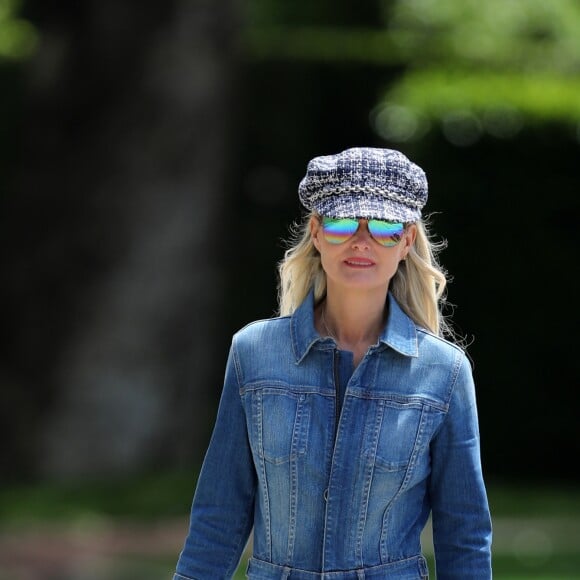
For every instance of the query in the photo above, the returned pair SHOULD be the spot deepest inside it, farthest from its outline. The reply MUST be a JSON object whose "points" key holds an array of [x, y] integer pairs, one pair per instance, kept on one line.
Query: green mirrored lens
{"points": [[386, 233], [338, 230]]}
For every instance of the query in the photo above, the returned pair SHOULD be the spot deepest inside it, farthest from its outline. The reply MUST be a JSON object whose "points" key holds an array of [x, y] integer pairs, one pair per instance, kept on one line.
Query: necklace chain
{"points": [[325, 325], [326, 329]]}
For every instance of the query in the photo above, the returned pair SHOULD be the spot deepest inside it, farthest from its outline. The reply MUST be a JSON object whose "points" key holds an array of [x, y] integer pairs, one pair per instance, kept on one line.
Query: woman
{"points": [[348, 420]]}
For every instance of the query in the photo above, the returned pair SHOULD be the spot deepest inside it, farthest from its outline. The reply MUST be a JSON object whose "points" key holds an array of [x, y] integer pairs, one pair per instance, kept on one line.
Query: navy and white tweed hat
{"points": [[365, 182]]}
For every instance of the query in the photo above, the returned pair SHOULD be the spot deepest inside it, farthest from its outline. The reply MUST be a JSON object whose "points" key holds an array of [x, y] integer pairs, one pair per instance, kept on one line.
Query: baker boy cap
{"points": [[365, 182]]}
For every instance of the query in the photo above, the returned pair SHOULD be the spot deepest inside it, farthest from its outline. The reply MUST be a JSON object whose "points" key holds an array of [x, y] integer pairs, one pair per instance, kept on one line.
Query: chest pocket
{"points": [[283, 419], [399, 435]]}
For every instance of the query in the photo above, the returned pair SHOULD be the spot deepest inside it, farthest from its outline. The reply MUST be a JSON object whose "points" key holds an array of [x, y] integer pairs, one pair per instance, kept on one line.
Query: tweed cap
{"points": [[365, 182]]}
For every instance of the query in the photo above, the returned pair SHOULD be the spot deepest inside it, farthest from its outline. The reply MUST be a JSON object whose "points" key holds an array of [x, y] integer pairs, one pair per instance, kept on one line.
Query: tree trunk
{"points": [[116, 266]]}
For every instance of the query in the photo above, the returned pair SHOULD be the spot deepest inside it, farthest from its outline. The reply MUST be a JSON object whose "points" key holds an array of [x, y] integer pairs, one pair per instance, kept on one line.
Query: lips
{"points": [[359, 262]]}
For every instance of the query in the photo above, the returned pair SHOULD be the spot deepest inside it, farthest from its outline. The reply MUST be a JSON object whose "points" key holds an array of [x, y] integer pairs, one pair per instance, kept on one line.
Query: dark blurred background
{"points": [[150, 154]]}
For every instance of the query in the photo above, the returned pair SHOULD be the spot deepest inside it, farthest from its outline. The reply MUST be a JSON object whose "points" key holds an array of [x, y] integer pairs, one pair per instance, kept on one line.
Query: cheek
{"points": [[330, 258], [390, 264], [391, 269], [325, 259]]}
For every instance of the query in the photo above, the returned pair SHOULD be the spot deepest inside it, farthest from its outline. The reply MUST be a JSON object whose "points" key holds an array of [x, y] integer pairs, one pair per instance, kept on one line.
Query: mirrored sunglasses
{"points": [[339, 230]]}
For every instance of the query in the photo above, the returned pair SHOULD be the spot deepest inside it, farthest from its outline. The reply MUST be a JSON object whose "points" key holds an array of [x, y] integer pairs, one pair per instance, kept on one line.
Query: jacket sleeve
{"points": [[460, 512], [223, 503]]}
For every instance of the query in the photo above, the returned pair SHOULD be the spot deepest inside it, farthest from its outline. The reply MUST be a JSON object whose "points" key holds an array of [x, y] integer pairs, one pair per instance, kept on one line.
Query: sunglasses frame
{"points": [[391, 242]]}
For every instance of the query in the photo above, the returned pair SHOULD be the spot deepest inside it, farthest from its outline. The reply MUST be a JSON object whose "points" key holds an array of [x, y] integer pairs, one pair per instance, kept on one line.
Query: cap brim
{"points": [[369, 207]]}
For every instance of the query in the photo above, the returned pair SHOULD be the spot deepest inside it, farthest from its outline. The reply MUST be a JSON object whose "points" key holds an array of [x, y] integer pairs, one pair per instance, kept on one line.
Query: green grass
{"points": [[534, 499], [150, 497], [536, 526]]}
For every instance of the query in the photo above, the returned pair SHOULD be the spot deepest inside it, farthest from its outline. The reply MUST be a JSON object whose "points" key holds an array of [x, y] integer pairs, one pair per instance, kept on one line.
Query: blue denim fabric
{"points": [[341, 497]]}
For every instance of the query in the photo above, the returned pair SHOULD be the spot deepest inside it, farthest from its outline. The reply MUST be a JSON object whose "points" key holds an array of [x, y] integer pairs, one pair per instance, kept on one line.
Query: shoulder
{"points": [[262, 350], [260, 333], [438, 342], [434, 349], [455, 367]]}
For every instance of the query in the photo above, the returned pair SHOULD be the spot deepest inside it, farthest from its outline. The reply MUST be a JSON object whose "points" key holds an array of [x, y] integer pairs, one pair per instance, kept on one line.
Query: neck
{"points": [[355, 320]]}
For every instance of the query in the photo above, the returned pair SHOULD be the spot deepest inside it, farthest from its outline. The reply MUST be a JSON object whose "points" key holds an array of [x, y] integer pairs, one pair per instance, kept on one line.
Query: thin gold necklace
{"points": [[326, 329]]}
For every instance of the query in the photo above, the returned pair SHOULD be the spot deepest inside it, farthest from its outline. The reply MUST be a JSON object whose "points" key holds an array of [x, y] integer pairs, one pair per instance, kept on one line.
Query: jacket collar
{"points": [[400, 332]]}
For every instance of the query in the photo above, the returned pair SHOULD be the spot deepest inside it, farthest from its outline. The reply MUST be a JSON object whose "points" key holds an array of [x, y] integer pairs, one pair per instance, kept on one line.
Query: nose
{"points": [[362, 237]]}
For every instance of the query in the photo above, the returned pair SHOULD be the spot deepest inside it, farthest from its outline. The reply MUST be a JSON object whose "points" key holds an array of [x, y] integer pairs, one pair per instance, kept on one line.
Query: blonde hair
{"points": [[419, 285]]}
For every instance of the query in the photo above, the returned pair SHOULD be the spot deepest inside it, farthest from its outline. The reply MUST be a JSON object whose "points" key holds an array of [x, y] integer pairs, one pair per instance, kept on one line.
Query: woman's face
{"points": [[360, 262]]}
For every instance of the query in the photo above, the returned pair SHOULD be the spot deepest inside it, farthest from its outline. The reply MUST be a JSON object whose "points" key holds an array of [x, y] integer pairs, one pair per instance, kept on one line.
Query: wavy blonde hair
{"points": [[419, 285]]}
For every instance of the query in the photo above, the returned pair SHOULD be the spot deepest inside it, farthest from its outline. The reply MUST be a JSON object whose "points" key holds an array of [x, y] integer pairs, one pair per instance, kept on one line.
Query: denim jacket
{"points": [[341, 494]]}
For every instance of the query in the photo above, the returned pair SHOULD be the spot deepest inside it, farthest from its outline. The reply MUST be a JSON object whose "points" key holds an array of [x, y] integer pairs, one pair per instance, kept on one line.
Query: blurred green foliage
{"points": [[482, 67], [469, 104], [512, 35], [469, 67], [18, 38], [322, 44]]}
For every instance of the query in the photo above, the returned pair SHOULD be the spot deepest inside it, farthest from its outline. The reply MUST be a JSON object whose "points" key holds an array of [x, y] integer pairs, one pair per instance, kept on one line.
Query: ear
{"points": [[409, 239], [315, 231]]}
